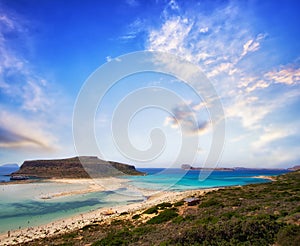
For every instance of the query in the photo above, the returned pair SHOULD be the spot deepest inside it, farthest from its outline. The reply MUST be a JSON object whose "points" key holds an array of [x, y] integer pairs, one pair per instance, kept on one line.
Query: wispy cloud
{"points": [[17, 80], [135, 28], [17, 132], [29, 104], [252, 45], [220, 43], [171, 36], [10, 139], [226, 46], [288, 75], [270, 134], [132, 3]]}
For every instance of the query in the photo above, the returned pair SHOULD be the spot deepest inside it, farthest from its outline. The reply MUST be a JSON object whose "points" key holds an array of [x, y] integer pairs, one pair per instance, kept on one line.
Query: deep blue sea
{"points": [[21, 205]]}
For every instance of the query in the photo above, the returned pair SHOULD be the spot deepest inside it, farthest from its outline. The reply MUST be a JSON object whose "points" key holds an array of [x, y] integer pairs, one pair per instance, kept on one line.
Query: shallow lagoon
{"points": [[22, 206]]}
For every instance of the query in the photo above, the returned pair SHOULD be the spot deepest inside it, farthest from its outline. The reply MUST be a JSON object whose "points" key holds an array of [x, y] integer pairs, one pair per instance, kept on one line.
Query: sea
{"points": [[21, 205]]}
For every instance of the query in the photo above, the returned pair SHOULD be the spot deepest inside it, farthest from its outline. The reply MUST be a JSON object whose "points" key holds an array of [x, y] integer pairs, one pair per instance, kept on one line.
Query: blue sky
{"points": [[249, 50]]}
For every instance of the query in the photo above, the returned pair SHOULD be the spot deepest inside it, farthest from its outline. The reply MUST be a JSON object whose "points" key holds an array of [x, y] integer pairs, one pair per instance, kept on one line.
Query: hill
{"points": [[76, 167], [257, 214], [8, 168]]}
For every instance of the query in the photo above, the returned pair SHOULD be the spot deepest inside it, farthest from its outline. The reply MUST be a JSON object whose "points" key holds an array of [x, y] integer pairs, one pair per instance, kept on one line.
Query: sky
{"points": [[249, 51]]}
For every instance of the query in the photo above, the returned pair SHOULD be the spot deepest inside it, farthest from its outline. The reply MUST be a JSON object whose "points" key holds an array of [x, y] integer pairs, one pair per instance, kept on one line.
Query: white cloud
{"points": [[250, 46], [171, 121], [171, 37], [269, 149], [173, 5], [249, 110], [220, 68], [260, 84], [270, 135], [287, 75], [203, 29]]}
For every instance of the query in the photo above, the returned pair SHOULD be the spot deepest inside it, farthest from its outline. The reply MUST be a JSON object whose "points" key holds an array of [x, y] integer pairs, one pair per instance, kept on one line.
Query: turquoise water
{"points": [[21, 204], [179, 179]]}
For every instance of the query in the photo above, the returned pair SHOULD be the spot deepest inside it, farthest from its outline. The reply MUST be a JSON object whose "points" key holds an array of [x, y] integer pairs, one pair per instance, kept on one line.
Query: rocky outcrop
{"points": [[76, 167]]}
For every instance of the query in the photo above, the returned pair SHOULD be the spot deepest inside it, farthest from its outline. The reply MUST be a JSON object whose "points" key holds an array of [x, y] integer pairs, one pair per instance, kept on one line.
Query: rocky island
{"points": [[189, 167], [74, 168]]}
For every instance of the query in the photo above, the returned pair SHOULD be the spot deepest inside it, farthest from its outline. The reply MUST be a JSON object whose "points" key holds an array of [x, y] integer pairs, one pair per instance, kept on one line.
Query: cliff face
{"points": [[76, 167]]}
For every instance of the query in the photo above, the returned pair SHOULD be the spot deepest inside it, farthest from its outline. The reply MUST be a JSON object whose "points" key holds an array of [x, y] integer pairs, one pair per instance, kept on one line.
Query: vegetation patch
{"points": [[152, 210], [210, 203], [163, 216], [164, 205], [178, 204], [136, 216]]}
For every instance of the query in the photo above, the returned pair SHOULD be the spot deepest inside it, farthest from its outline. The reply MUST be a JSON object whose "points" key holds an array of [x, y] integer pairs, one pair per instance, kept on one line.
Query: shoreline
{"points": [[105, 214], [99, 215]]}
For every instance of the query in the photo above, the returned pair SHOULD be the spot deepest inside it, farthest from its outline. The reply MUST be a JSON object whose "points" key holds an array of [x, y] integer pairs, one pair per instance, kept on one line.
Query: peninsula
{"points": [[74, 168]]}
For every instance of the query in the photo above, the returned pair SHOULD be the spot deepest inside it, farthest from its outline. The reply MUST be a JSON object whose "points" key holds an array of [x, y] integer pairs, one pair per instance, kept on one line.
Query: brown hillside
{"points": [[76, 167]]}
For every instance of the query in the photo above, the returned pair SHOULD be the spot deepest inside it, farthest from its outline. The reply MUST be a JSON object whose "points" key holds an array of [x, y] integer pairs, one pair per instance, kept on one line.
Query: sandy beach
{"points": [[103, 214], [265, 177]]}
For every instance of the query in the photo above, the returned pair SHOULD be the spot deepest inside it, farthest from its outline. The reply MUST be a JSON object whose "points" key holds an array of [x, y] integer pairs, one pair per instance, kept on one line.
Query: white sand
{"points": [[93, 185], [78, 221]]}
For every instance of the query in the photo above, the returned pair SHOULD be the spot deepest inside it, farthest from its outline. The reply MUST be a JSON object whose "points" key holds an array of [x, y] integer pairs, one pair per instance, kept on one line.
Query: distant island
{"points": [[8, 168], [74, 168], [189, 167]]}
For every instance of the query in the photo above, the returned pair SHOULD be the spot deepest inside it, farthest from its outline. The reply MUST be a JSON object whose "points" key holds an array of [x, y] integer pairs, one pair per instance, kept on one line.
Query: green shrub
{"points": [[164, 216], [152, 210], [136, 216], [164, 205], [139, 231], [178, 204], [178, 220], [211, 202]]}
